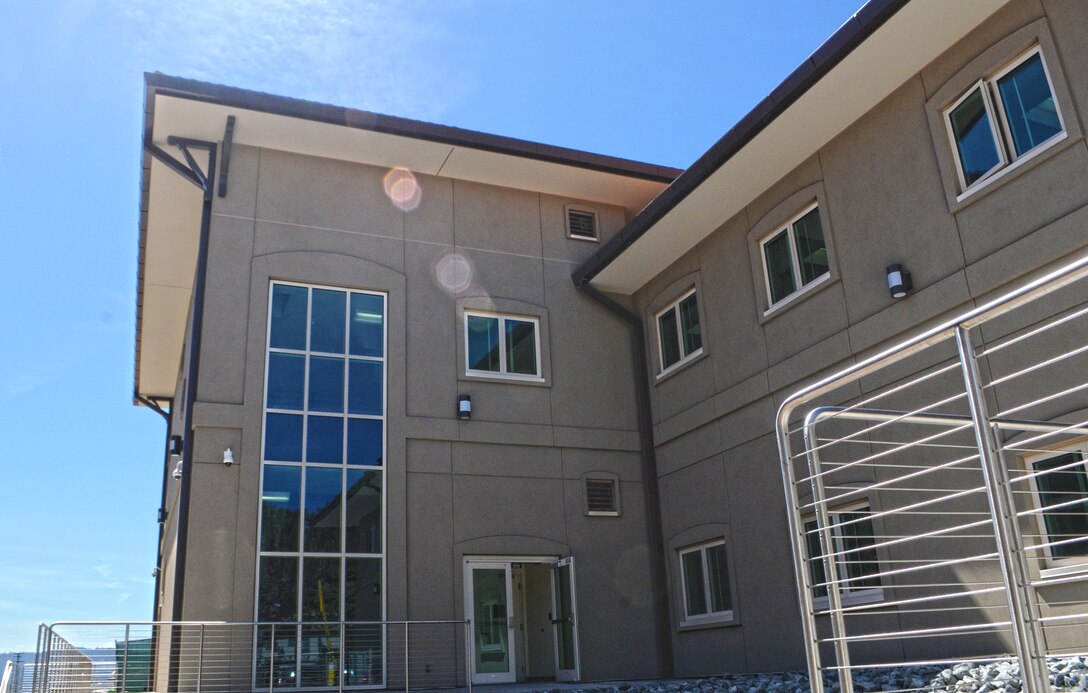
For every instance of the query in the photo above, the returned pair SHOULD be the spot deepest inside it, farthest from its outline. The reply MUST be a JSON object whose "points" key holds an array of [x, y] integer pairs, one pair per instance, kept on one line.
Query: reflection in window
{"points": [[794, 256], [502, 344], [679, 333], [321, 521]]}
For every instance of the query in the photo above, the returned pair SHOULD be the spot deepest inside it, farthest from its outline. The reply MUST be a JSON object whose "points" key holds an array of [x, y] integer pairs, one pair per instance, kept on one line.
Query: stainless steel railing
{"points": [[937, 493], [224, 657]]}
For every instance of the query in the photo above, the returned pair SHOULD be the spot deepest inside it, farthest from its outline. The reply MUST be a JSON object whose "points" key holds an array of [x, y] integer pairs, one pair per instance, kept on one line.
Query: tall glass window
{"points": [[322, 516]]}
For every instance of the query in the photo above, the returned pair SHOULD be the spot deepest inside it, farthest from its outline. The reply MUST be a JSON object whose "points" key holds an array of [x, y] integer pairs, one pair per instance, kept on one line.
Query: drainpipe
{"points": [[192, 171], [651, 495], [162, 502]]}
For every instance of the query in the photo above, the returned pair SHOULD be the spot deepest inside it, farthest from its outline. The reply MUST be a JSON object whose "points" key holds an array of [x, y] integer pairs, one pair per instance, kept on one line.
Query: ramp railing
{"points": [[937, 493], [229, 657]]}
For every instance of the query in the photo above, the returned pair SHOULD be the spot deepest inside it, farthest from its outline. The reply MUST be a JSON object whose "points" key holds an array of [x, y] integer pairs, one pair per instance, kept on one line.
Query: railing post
{"points": [[124, 662], [468, 654], [200, 659], [271, 658], [1014, 571], [405, 657]]}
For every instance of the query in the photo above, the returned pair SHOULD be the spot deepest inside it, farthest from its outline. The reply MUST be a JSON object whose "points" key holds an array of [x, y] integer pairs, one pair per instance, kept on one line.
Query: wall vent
{"points": [[601, 497], [581, 224]]}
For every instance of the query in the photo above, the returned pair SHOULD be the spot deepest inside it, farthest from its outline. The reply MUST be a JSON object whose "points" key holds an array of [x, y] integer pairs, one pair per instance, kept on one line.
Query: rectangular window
{"points": [[1060, 482], [502, 345], [679, 333], [853, 539], [1002, 119], [322, 500], [705, 579], [794, 256]]}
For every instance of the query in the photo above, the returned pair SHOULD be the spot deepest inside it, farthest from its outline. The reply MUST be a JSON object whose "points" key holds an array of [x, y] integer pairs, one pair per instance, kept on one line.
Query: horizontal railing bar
{"points": [[1044, 327], [1042, 400], [1037, 366], [944, 631], [928, 662]]}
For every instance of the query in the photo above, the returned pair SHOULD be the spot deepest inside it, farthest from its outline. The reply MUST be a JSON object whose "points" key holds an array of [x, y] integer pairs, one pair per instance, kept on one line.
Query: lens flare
{"points": [[401, 187], [454, 273]]}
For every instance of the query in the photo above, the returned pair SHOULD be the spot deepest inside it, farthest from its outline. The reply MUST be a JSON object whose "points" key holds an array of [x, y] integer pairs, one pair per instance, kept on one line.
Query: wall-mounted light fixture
{"points": [[464, 407], [228, 457], [899, 283], [155, 572], [176, 446], [177, 472]]}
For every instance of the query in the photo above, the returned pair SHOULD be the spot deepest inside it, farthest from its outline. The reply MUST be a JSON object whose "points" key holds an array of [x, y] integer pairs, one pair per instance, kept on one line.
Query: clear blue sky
{"points": [[81, 467]]}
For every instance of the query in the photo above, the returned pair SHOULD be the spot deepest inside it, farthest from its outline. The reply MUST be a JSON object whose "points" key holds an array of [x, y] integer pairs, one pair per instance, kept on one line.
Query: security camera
{"points": [[177, 472]]}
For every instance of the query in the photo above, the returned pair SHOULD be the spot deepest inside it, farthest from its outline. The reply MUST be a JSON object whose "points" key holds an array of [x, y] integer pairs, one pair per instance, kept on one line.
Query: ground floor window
{"points": [[853, 539], [320, 586], [1060, 483], [705, 579]]}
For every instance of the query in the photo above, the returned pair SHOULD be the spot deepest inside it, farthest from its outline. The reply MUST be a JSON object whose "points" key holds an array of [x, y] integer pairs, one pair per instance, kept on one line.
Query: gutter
{"points": [[651, 494], [848, 37]]}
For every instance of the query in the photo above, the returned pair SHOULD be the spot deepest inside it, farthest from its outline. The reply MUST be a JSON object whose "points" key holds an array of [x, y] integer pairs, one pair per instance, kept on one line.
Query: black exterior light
{"points": [[176, 445], [899, 281], [464, 407]]}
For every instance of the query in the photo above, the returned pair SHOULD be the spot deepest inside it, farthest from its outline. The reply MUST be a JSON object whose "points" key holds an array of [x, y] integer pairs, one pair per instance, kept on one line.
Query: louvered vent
{"points": [[582, 224], [601, 497]]}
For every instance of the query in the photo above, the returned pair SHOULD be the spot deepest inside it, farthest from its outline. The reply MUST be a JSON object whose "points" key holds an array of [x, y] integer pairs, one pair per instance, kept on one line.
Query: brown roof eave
{"points": [[848, 37]]}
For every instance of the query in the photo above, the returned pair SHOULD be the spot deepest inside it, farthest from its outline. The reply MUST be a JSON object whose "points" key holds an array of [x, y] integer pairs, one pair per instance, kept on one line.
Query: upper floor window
{"points": [[1060, 481], [678, 331], [502, 345], [855, 557], [794, 256], [1003, 119], [705, 578]]}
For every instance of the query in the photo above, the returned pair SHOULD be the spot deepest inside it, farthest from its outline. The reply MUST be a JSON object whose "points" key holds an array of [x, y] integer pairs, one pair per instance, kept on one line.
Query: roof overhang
{"points": [[171, 204], [886, 43]]}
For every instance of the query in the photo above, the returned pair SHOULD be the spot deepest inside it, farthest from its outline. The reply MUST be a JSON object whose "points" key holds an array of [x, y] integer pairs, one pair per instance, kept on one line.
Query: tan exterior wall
{"points": [[508, 482], [882, 195]]}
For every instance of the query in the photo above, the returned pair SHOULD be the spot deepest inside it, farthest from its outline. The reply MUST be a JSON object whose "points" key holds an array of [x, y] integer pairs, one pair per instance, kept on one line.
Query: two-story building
{"points": [[388, 400]]}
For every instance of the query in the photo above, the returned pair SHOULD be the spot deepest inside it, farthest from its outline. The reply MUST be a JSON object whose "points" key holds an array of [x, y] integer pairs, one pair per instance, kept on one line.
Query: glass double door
{"points": [[498, 613]]}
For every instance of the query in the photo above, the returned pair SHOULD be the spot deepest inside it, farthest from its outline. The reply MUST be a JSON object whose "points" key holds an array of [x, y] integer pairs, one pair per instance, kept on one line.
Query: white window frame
{"points": [[684, 358], [795, 262], [1056, 567], [502, 373], [863, 595], [709, 616], [995, 109]]}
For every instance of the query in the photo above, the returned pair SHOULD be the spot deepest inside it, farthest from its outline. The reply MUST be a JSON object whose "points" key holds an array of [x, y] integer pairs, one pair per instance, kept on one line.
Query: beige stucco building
{"points": [[321, 295]]}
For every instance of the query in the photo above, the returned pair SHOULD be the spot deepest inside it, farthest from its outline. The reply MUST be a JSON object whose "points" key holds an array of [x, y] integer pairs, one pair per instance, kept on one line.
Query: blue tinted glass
{"points": [[286, 375], [364, 524], [283, 437], [288, 313], [365, 388], [326, 384], [974, 137], [324, 439], [280, 498], [327, 321], [483, 343], [1029, 105], [365, 441], [322, 533], [367, 317]]}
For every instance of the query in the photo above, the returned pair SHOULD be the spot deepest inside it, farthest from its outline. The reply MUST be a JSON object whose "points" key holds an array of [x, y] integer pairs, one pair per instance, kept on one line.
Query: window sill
{"points": [[602, 513], [1057, 144], [1077, 570], [680, 365], [794, 298], [720, 620], [511, 379], [870, 596]]}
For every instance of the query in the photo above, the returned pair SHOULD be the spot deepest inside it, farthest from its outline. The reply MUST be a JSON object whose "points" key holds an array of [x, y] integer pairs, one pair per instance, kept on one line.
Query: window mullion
{"points": [[706, 580], [502, 346], [795, 257], [679, 332]]}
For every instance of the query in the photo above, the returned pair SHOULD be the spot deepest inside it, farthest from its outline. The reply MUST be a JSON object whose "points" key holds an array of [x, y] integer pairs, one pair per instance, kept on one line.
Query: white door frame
{"points": [[506, 562], [574, 674]]}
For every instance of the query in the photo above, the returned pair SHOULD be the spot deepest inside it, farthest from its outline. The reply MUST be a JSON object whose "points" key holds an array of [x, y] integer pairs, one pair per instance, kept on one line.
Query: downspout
{"points": [[193, 172], [162, 501], [651, 496]]}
